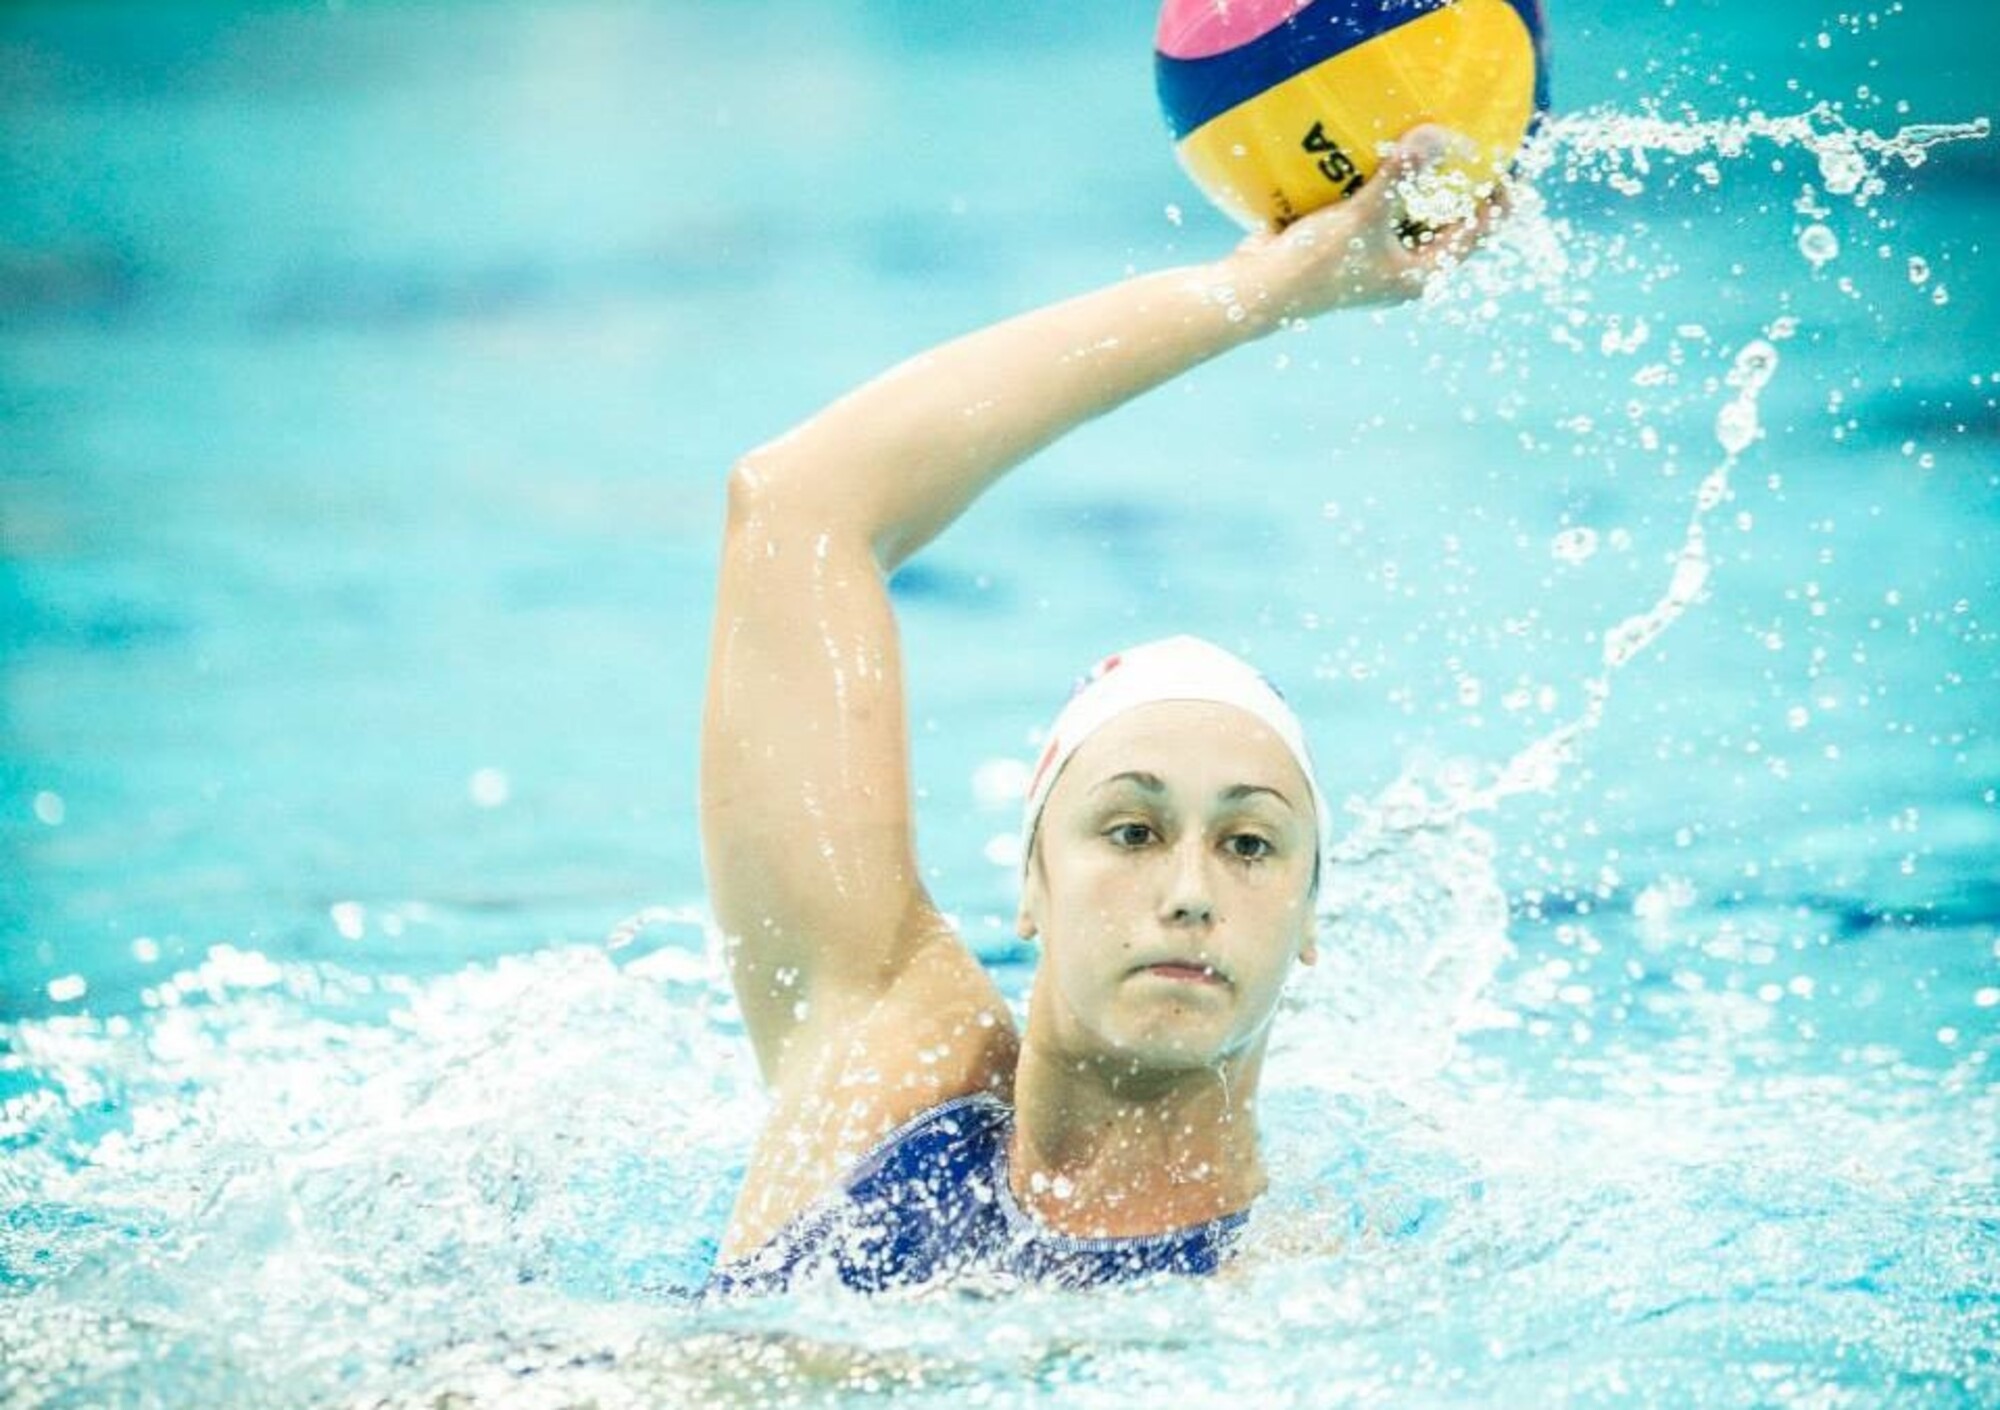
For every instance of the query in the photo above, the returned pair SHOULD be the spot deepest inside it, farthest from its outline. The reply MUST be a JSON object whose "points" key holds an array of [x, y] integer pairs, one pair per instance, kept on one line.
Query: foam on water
{"points": [[272, 1195]]}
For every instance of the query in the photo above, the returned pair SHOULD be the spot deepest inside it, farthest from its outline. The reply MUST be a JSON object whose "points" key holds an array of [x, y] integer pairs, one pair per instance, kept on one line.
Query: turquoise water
{"points": [[368, 374]]}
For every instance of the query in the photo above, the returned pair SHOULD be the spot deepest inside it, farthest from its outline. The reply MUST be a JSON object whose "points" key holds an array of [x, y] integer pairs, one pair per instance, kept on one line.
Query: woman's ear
{"points": [[1025, 924], [1309, 936]]}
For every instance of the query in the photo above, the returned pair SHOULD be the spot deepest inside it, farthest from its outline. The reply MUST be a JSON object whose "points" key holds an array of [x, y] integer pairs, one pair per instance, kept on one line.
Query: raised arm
{"points": [[891, 464], [840, 960]]}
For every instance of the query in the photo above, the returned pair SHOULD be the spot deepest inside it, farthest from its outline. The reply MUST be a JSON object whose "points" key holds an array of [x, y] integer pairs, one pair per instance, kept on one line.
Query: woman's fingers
{"points": [[1417, 213], [1490, 206], [1417, 151], [1443, 214]]}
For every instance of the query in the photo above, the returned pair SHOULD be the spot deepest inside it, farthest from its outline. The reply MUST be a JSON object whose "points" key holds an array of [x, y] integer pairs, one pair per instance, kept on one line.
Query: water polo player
{"points": [[1171, 844]]}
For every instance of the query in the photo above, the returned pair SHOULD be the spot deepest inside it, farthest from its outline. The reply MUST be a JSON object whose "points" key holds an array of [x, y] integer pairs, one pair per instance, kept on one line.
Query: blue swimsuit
{"points": [[932, 1202]]}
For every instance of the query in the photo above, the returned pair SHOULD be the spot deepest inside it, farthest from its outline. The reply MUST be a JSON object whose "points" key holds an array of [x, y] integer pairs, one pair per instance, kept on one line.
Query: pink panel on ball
{"points": [[1198, 29]]}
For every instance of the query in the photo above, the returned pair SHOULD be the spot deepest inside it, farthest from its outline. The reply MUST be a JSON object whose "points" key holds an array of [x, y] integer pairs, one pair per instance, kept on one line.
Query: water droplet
{"points": [[1819, 244], [489, 787], [1575, 545], [1842, 168], [1920, 270], [1736, 425], [998, 783], [67, 989], [350, 918], [1754, 366], [1625, 641], [1690, 576], [49, 809]]}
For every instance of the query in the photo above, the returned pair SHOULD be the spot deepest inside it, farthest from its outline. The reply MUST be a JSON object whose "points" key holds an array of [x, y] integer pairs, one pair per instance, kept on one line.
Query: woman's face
{"points": [[1171, 885]]}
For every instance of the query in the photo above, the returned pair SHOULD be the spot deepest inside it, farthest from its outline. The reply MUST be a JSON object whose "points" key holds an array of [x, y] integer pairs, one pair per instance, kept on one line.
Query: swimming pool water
{"points": [[368, 374]]}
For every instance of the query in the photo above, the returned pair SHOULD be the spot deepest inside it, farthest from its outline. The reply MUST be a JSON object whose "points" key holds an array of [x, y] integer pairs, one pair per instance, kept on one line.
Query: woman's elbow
{"points": [[755, 482], [762, 502], [773, 498]]}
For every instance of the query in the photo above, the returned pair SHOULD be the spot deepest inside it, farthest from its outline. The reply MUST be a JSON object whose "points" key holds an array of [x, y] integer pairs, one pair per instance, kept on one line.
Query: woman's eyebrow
{"points": [[1152, 783], [1237, 792], [1145, 782]]}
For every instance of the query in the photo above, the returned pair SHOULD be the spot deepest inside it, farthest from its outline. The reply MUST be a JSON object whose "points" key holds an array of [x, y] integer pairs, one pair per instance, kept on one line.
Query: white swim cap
{"points": [[1175, 668]]}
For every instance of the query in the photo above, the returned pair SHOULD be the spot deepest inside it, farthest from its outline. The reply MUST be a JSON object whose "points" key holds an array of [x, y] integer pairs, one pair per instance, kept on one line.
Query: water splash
{"points": [[1605, 145], [286, 1149], [1414, 918]]}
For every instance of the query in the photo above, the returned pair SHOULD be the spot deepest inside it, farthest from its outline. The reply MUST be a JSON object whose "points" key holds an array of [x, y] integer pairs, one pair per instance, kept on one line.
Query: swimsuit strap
{"points": [[931, 1201]]}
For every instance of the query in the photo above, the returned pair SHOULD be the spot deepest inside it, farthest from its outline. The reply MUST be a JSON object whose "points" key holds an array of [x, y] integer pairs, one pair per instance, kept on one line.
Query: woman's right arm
{"points": [[858, 997]]}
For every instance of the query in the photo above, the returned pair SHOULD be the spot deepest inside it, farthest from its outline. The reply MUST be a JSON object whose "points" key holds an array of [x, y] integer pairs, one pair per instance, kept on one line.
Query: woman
{"points": [[1171, 846]]}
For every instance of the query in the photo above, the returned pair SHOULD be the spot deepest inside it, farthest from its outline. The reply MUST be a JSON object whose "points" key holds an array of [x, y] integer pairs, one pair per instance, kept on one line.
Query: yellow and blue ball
{"points": [[1279, 107]]}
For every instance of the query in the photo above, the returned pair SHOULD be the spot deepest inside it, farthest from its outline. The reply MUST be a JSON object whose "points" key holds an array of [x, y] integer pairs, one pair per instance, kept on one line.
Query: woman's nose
{"points": [[1188, 900]]}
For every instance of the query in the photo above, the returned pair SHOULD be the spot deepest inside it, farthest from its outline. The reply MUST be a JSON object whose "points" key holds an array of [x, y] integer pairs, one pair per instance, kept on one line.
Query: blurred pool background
{"points": [[368, 373]]}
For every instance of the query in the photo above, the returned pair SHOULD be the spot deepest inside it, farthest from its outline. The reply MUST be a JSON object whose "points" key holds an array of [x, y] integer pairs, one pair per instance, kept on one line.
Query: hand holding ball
{"points": [[1279, 107]]}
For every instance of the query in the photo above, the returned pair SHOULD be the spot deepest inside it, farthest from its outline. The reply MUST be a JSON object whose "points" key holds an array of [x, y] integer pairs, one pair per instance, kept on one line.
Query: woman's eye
{"points": [[1130, 834], [1249, 847]]}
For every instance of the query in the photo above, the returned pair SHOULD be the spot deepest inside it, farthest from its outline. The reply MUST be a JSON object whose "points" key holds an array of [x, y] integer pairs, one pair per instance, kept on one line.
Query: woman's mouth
{"points": [[1185, 972]]}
